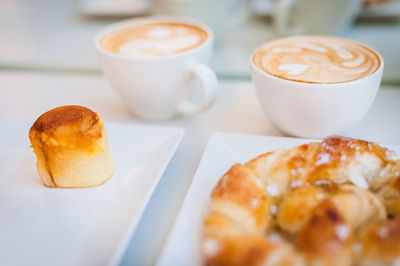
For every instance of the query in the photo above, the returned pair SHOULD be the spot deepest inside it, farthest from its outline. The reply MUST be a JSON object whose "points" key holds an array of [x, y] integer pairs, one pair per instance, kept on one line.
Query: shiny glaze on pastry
{"points": [[71, 146], [308, 204]]}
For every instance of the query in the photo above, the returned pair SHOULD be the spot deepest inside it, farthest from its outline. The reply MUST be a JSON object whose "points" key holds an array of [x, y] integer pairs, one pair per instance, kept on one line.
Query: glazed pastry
{"points": [[381, 243], [368, 3], [296, 208], [390, 195], [326, 238], [358, 206], [317, 197], [238, 205], [336, 160], [250, 250], [71, 146]]}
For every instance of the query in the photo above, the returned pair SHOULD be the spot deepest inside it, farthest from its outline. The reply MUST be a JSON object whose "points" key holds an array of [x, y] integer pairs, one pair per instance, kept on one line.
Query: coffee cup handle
{"points": [[281, 19], [209, 86]]}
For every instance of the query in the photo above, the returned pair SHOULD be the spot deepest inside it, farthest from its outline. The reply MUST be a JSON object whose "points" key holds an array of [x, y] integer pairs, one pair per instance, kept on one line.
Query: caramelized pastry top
{"points": [[317, 198], [238, 185], [250, 251], [381, 241], [68, 126], [326, 231]]}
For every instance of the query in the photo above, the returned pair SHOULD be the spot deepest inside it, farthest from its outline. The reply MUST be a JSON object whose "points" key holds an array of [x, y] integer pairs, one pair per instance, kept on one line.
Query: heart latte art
{"points": [[316, 59], [154, 39]]}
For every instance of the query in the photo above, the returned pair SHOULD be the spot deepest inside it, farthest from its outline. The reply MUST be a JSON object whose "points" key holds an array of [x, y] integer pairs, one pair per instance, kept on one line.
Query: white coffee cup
{"points": [[315, 110], [157, 88], [314, 16]]}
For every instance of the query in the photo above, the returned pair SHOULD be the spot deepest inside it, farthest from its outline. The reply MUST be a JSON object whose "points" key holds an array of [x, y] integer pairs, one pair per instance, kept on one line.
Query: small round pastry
{"points": [[71, 146]]}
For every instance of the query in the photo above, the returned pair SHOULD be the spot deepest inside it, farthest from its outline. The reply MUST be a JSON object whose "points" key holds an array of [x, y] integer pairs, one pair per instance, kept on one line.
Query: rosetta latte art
{"points": [[154, 39], [316, 59]]}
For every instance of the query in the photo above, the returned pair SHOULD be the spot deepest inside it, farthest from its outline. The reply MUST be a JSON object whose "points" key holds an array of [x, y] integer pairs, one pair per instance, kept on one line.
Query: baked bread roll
{"points": [[71, 146], [317, 197]]}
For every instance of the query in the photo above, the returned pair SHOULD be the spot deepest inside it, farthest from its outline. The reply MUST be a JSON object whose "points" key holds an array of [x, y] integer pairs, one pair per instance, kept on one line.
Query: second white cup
{"points": [[157, 88], [316, 110]]}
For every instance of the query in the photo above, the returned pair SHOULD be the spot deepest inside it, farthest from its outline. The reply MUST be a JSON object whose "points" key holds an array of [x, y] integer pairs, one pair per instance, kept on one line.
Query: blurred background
{"points": [[48, 35]]}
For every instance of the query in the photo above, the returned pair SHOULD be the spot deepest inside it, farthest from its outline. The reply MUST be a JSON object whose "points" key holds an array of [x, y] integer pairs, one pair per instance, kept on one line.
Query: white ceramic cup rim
{"points": [[147, 20], [350, 82]]}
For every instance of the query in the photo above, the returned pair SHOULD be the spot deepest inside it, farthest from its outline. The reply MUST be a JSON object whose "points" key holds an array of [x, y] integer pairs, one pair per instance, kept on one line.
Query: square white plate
{"points": [[90, 226], [182, 246]]}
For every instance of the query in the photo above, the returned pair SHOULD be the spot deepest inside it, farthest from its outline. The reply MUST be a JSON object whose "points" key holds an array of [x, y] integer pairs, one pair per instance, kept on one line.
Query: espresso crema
{"points": [[154, 39], [316, 59]]}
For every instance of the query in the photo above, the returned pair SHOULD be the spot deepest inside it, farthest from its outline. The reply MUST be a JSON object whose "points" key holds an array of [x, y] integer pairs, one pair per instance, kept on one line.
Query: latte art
{"points": [[154, 39], [316, 59]]}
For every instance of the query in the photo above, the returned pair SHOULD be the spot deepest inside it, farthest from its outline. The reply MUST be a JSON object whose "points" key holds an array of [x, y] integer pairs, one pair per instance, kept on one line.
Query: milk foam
{"points": [[156, 39], [316, 59], [153, 46], [294, 69], [159, 32]]}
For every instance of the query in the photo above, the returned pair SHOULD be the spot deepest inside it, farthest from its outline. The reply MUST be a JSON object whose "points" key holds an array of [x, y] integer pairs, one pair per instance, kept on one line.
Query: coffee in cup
{"points": [[154, 39], [152, 63], [315, 86], [316, 59]]}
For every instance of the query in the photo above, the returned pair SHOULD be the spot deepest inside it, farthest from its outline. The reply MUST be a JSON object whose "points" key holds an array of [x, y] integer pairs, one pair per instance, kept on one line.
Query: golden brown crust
{"points": [[252, 251], [62, 116], [335, 160], [319, 196], [342, 150], [240, 186], [358, 206], [390, 195], [334, 152], [381, 243], [326, 160], [72, 148], [296, 208], [242, 250], [73, 126], [396, 184], [273, 175], [239, 204], [326, 238]]}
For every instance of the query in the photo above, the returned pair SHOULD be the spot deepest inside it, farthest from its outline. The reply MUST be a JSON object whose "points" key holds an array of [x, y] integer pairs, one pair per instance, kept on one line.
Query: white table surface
{"points": [[27, 94]]}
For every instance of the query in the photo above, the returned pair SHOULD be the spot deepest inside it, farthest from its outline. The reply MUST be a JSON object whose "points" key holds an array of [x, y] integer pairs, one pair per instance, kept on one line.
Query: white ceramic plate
{"points": [[91, 226], [223, 150]]}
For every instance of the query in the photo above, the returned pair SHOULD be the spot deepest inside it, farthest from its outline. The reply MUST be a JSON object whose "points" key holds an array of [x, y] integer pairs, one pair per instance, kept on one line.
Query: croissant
{"points": [[316, 197]]}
